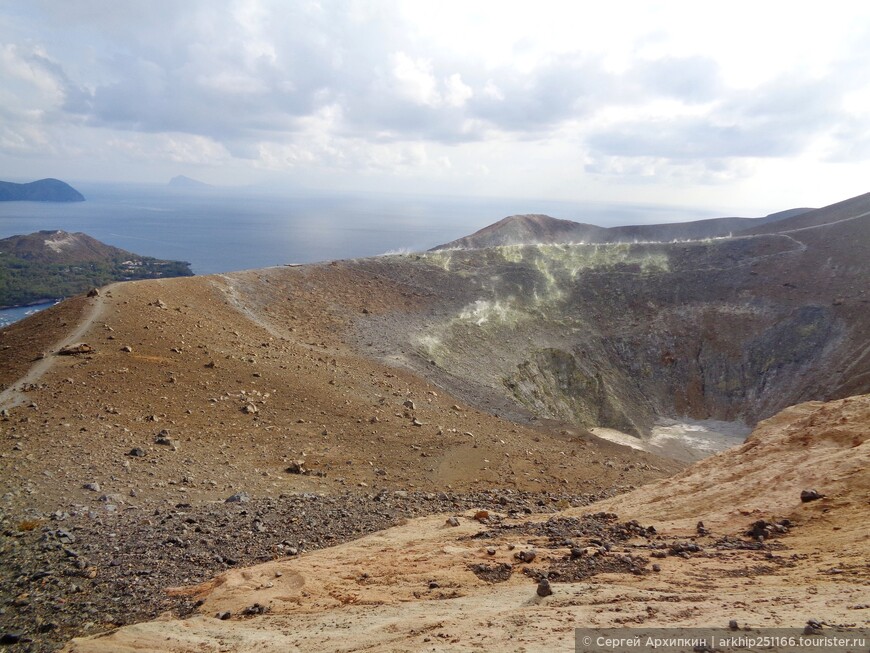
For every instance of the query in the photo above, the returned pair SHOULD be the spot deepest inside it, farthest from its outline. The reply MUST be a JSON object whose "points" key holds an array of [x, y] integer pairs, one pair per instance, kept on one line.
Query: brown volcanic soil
{"points": [[379, 383], [428, 586], [239, 375], [22, 342], [243, 382]]}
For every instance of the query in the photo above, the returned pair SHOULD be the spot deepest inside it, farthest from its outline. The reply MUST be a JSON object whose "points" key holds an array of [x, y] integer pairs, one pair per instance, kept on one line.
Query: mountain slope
{"points": [[851, 209], [425, 585], [204, 424], [597, 334], [53, 264], [542, 229], [518, 229], [44, 190]]}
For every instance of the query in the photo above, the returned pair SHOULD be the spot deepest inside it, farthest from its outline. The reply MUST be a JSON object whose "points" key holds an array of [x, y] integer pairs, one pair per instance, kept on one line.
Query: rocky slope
{"points": [[129, 418], [542, 229], [44, 190], [617, 334], [729, 539]]}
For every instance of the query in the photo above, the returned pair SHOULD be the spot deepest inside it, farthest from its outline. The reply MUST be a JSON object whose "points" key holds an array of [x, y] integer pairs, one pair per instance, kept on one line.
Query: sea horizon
{"points": [[221, 230]]}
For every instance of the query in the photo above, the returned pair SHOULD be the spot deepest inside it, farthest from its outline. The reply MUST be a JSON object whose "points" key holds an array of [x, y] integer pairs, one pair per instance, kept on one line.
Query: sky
{"points": [[743, 107]]}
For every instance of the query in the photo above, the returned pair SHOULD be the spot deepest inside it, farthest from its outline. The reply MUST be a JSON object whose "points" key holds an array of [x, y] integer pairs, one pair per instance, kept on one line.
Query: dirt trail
{"points": [[13, 395]]}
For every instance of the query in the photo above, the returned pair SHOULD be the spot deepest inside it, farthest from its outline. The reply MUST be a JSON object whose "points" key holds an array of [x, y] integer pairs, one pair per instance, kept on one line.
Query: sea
{"points": [[222, 230]]}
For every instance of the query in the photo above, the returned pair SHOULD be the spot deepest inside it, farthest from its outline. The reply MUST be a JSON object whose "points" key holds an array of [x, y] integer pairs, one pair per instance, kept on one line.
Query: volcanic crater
{"points": [[217, 422]]}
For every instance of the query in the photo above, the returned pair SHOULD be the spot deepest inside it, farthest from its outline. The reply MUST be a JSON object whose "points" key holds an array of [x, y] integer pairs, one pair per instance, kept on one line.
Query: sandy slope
{"points": [[376, 594], [244, 379]]}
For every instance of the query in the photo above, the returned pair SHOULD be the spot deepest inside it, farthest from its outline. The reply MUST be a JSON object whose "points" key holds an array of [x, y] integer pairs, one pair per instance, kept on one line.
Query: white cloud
{"points": [[176, 148], [551, 97], [414, 80], [24, 140], [492, 91], [456, 93]]}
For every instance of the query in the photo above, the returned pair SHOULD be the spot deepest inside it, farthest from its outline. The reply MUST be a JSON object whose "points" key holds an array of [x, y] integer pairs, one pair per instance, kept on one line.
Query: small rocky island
{"points": [[44, 190], [50, 265], [181, 182]]}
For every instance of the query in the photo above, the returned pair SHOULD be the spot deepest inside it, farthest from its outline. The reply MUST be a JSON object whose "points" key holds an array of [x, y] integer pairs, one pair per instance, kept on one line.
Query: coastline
{"points": [[38, 302], [12, 315]]}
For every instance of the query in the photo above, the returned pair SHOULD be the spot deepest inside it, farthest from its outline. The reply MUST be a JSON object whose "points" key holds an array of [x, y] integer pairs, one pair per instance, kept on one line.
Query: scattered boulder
{"points": [[254, 610], [492, 573], [811, 495], [137, 452], [296, 467], [762, 529], [78, 348], [544, 588], [93, 486], [452, 521], [127, 348], [163, 439], [94, 292], [250, 409], [526, 556], [239, 497], [684, 548], [813, 627]]}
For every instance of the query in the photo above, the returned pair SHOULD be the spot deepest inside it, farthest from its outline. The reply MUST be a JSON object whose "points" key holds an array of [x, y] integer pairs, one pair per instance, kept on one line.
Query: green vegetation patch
{"points": [[24, 282]]}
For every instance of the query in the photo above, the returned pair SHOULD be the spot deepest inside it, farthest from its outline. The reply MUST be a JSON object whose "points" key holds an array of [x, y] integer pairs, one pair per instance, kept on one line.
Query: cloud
{"points": [[32, 82], [690, 79], [415, 81], [781, 119], [176, 148], [366, 85], [849, 142]]}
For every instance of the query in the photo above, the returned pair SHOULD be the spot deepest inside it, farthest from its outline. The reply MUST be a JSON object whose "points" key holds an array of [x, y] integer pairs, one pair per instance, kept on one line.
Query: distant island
{"points": [[187, 183], [50, 265], [44, 190]]}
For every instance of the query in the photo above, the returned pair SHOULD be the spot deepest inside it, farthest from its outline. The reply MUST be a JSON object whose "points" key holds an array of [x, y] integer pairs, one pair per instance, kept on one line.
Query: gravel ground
{"points": [[86, 572]]}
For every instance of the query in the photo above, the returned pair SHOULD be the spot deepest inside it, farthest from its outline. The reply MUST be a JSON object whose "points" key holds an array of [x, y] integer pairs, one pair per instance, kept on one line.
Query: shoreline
{"points": [[54, 300]]}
